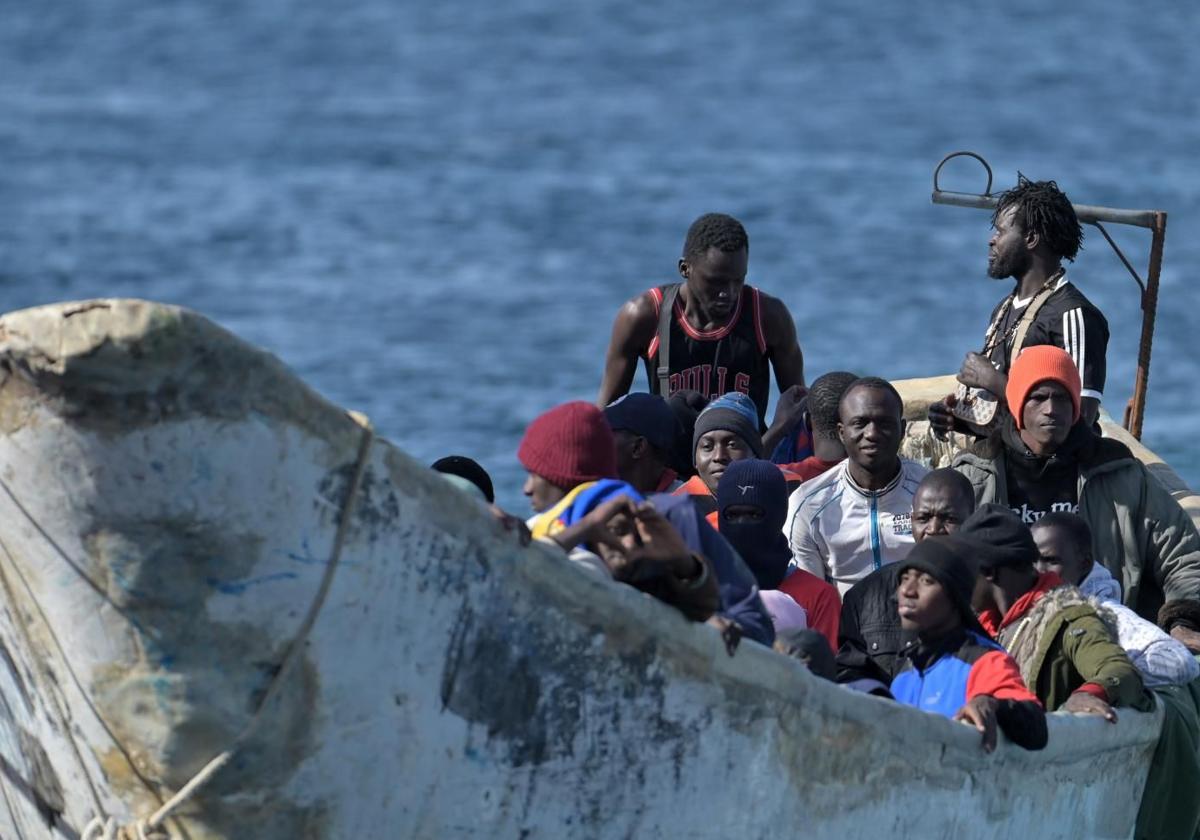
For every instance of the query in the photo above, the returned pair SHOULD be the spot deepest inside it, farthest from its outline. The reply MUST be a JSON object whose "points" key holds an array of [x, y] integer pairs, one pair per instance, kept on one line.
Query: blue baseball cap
{"points": [[646, 415]]}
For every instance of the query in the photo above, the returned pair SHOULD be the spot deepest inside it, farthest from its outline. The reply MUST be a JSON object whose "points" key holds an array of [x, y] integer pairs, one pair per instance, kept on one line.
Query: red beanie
{"points": [[570, 444], [1041, 363]]}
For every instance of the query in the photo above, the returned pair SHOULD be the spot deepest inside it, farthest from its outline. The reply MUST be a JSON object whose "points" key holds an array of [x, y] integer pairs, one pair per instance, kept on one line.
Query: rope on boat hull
{"points": [[106, 828]]}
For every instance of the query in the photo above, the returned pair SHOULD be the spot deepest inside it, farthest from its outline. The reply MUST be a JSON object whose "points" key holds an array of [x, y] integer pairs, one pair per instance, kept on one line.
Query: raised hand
{"points": [[941, 419], [978, 372]]}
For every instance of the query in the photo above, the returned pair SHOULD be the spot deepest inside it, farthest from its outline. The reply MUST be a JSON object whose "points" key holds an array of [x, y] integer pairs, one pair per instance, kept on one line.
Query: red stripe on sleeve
{"points": [[656, 296], [1095, 690], [997, 674]]}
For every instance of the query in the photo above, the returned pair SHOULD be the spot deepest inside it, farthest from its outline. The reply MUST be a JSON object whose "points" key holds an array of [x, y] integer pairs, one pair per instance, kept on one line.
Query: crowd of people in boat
{"points": [[1044, 569]]}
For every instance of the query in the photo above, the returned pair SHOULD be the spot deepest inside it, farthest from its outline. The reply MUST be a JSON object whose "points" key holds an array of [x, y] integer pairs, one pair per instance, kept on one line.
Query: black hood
{"points": [[1083, 449]]}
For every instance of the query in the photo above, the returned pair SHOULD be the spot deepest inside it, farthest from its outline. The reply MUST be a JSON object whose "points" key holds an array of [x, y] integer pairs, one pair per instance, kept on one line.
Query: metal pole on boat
{"points": [[1137, 403], [1154, 220]]}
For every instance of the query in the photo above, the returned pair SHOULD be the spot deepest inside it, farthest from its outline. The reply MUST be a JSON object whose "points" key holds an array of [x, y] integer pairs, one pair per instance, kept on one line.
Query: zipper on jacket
{"points": [[875, 531]]}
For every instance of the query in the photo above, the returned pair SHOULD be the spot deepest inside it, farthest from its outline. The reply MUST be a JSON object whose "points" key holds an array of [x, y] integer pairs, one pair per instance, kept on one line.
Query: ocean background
{"points": [[432, 212]]}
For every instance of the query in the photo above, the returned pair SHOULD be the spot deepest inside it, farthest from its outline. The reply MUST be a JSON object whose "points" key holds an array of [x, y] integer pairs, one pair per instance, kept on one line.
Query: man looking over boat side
{"points": [[1170, 808], [1046, 458], [1067, 655], [1034, 229], [871, 641], [858, 516], [567, 447], [570, 455], [718, 334], [469, 470], [955, 669]]}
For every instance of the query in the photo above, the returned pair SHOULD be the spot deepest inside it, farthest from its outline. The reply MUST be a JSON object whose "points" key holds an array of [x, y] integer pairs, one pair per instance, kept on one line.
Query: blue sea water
{"points": [[432, 211]]}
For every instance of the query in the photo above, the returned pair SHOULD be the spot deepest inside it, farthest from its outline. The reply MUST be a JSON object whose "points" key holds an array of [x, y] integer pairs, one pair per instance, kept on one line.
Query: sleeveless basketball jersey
{"points": [[713, 362]]}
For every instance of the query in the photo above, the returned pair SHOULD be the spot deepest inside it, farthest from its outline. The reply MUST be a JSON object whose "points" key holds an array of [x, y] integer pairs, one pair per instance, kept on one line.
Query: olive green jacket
{"points": [[1139, 532], [1062, 643]]}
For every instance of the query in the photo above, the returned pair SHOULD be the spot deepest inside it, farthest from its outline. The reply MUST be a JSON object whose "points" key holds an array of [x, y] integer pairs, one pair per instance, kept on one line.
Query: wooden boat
{"points": [[203, 559]]}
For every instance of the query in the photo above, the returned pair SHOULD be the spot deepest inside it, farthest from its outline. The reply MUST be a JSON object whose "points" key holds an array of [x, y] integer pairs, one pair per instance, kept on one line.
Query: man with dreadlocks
{"points": [[711, 333], [1034, 230]]}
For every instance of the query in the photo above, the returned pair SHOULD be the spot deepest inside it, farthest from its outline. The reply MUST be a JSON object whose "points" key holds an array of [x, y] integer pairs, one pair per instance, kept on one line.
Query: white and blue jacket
{"points": [[841, 532]]}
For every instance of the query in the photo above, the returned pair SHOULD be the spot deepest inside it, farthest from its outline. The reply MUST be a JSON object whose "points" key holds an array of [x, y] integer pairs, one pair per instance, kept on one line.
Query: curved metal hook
{"points": [[978, 157]]}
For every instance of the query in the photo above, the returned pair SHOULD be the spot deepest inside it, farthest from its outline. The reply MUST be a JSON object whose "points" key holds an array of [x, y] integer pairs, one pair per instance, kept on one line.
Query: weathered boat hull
{"points": [[170, 502]]}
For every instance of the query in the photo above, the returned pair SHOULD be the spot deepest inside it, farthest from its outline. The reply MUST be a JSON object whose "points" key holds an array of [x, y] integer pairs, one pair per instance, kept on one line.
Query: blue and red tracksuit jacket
{"points": [[942, 675]]}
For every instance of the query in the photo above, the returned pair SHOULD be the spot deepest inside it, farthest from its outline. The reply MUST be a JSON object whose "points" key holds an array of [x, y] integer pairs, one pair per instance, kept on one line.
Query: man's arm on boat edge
{"points": [[633, 330]]}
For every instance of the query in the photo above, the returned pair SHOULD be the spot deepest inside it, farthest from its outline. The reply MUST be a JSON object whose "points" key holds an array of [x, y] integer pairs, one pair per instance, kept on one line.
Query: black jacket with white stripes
{"points": [[1068, 320]]}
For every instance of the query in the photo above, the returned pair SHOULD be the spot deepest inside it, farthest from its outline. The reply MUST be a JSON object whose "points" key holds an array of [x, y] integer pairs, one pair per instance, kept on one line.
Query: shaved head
{"points": [[952, 480], [873, 383]]}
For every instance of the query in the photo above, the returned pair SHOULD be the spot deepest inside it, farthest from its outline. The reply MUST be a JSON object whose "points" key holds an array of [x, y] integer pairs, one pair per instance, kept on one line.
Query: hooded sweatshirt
{"points": [[1037, 485]]}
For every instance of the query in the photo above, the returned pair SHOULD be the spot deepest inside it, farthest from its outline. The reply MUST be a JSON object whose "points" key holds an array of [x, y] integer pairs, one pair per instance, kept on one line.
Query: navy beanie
{"points": [[761, 544], [1000, 537], [950, 560], [755, 482]]}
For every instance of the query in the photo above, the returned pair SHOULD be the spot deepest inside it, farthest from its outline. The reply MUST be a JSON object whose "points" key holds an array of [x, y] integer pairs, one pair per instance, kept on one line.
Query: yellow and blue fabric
{"points": [[578, 503]]}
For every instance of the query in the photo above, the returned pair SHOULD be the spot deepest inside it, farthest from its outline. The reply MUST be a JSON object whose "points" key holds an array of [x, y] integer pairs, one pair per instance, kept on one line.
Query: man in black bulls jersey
{"points": [[1034, 230], [721, 335]]}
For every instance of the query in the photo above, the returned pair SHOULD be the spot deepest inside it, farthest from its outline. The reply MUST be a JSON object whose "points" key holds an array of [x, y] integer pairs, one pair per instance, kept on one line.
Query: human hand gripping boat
{"points": [[231, 612]]}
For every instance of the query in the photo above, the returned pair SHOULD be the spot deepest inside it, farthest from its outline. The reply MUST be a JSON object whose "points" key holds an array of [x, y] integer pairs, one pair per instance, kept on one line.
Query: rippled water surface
{"points": [[432, 211]]}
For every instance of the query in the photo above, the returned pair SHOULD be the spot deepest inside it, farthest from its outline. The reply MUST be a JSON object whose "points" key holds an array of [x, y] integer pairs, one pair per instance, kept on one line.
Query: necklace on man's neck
{"points": [[993, 338], [1050, 281]]}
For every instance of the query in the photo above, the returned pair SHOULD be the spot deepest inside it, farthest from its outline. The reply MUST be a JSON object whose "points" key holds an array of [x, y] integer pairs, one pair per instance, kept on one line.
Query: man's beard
{"points": [[1011, 265]]}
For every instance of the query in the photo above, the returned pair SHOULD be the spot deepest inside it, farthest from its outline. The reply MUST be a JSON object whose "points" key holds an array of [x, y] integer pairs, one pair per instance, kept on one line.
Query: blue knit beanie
{"points": [[732, 412], [737, 401]]}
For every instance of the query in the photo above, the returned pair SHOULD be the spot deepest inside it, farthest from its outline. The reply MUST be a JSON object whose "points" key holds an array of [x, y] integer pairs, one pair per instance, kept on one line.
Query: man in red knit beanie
{"points": [[565, 447], [1046, 457]]}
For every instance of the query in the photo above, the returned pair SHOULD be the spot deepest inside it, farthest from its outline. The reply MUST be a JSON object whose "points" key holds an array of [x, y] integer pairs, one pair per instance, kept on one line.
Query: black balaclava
{"points": [[761, 544]]}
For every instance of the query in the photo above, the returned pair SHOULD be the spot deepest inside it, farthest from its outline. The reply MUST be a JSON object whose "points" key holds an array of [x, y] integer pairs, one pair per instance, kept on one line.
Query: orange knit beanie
{"points": [[1041, 363]]}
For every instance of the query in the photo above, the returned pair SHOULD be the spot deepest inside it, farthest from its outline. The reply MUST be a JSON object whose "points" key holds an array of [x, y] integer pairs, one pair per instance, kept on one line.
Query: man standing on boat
{"points": [[1034, 229], [711, 333]]}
